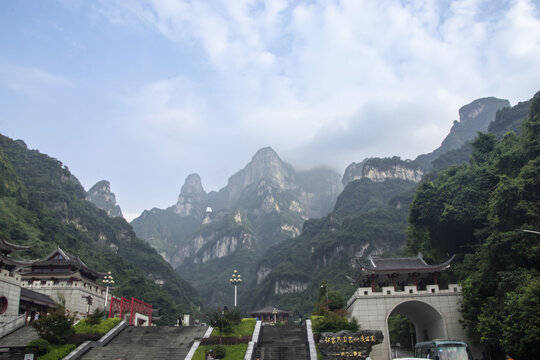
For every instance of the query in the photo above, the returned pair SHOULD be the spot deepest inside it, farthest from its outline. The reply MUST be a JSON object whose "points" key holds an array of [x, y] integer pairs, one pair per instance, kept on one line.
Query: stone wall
{"points": [[73, 293], [433, 311], [10, 288]]}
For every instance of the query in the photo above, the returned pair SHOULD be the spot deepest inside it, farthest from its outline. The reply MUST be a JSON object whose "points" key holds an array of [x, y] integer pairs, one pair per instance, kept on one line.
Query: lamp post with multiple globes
{"points": [[108, 281], [325, 285], [236, 279]]}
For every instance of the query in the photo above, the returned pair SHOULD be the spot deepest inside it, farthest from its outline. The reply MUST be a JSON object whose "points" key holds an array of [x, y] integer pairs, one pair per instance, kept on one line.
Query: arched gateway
{"points": [[406, 286]]}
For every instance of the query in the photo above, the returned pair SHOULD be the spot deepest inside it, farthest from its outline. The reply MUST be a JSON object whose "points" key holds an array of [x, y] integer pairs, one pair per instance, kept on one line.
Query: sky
{"points": [[144, 93]]}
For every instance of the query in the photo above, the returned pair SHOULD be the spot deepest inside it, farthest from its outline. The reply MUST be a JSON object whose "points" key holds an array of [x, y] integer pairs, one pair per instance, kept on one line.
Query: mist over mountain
{"points": [[264, 203], [369, 218], [286, 230]]}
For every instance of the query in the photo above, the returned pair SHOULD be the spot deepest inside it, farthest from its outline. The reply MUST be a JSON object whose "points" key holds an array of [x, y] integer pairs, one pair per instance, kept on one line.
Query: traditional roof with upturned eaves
{"points": [[62, 259], [402, 264], [269, 310], [402, 270], [10, 264], [7, 247]]}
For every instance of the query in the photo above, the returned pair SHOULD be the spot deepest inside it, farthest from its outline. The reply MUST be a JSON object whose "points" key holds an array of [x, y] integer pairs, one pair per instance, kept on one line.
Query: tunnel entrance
{"points": [[427, 321]]}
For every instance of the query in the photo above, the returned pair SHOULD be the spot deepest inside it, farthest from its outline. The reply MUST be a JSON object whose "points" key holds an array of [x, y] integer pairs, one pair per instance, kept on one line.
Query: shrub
{"points": [[55, 327], [58, 352], [220, 351], [234, 352], [78, 339], [222, 321], [334, 322], [95, 317], [83, 327], [228, 340], [41, 344]]}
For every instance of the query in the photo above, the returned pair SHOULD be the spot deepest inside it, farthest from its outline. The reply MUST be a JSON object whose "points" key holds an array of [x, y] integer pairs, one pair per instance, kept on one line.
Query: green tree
{"points": [[476, 211], [334, 321], [521, 326], [401, 330], [55, 327]]}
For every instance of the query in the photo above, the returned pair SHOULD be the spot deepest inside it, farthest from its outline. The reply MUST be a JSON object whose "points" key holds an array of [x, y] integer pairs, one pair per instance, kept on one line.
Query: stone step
{"points": [[282, 343], [146, 343], [20, 337], [136, 353]]}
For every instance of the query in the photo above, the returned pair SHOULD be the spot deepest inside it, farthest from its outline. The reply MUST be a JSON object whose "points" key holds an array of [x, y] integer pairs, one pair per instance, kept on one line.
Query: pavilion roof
{"points": [[10, 264], [269, 309], [402, 264], [61, 258], [7, 247]]}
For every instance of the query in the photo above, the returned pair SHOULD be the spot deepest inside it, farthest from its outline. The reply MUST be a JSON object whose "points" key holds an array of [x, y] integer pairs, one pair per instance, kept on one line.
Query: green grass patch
{"points": [[319, 353], [102, 328], [234, 352], [57, 352], [246, 327]]}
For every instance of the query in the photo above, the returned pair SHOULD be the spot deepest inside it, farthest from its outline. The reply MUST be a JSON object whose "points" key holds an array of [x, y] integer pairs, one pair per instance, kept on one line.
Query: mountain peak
{"points": [[100, 195], [265, 152], [192, 198], [265, 165], [192, 185]]}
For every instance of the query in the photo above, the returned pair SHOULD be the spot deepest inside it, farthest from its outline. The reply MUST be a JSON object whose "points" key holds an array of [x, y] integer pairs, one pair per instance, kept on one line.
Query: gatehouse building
{"points": [[406, 286]]}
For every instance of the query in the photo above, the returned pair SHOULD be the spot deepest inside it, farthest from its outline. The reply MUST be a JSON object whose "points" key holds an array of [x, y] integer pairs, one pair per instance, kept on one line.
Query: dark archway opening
{"points": [[413, 321]]}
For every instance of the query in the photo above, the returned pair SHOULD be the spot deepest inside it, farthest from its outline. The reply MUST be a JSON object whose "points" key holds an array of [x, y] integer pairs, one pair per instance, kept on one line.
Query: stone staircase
{"points": [[145, 343], [20, 337], [288, 342]]}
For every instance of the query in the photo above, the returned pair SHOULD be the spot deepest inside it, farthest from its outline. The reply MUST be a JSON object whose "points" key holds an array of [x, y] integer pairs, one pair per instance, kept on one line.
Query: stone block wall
{"points": [[10, 289], [73, 292], [434, 312]]}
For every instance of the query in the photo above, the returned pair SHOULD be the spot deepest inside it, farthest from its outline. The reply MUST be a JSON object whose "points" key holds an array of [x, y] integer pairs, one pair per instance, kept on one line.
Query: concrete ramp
{"points": [[145, 343]]}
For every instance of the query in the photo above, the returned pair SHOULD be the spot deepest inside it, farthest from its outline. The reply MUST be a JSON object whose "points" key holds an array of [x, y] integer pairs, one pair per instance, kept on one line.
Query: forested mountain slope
{"points": [[43, 204], [480, 212], [369, 218]]}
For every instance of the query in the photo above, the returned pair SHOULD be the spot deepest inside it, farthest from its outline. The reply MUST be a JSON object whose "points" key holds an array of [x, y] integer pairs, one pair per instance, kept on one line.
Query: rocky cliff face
{"points": [[473, 117], [265, 165], [404, 172], [379, 170], [100, 195], [192, 199], [265, 202]]}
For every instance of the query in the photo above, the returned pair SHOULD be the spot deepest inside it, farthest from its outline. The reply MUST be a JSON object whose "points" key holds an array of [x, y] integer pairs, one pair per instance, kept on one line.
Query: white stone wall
{"points": [[372, 309], [145, 318], [73, 294], [10, 288]]}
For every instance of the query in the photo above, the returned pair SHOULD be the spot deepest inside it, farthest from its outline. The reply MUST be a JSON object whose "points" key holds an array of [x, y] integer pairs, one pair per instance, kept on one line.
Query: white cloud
{"points": [[31, 81], [331, 80]]}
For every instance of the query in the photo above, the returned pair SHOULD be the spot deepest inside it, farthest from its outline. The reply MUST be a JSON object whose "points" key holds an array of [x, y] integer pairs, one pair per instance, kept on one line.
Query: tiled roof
{"points": [[416, 263], [7, 247], [269, 310], [34, 296], [61, 258]]}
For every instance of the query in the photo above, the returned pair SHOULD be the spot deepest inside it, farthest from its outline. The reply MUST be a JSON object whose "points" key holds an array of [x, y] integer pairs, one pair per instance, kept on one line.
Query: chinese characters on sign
{"points": [[348, 345]]}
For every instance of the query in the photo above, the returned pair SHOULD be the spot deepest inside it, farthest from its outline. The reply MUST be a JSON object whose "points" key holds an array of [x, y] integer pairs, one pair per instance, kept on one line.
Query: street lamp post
{"points": [[108, 281], [236, 279], [326, 286]]}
